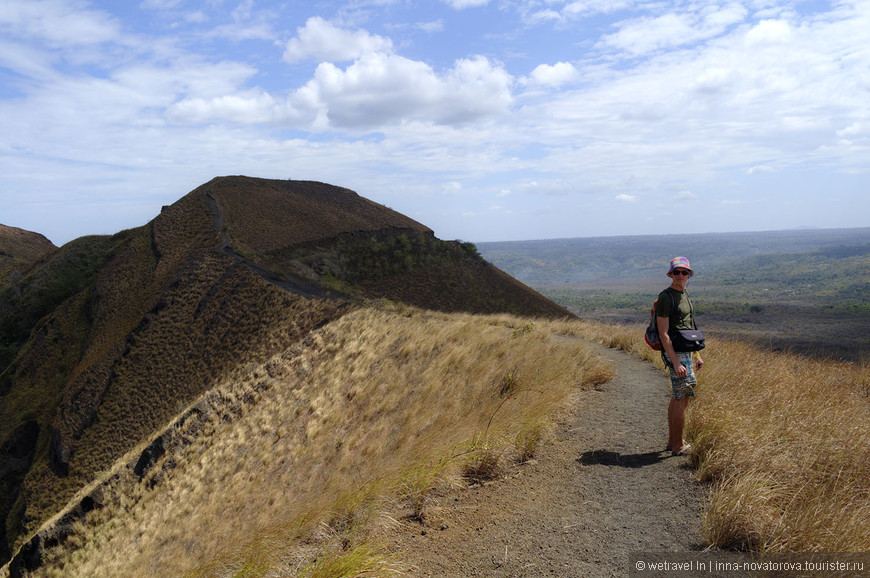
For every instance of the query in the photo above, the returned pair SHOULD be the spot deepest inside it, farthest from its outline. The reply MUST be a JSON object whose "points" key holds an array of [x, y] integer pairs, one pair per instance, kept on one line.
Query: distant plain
{"points": [[806, 291]]}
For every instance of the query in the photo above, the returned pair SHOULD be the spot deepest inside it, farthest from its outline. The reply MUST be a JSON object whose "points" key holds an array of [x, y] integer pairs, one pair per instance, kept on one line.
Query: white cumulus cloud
{"points": [[326, 42], [555, 74], [380, 89], [255, 108]]}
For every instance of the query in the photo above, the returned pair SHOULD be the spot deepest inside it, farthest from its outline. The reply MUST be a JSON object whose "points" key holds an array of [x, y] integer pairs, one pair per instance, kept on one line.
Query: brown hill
{"points": [[108, 338], [19, 249], [317, 239]]}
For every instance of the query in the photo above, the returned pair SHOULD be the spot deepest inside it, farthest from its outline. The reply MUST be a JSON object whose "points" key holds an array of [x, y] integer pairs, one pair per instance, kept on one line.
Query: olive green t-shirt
{"points": [[681, 317]]}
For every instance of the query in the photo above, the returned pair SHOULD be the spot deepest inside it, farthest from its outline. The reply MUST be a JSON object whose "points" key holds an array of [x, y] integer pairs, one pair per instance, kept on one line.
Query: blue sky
{"points": [[483, 119]]}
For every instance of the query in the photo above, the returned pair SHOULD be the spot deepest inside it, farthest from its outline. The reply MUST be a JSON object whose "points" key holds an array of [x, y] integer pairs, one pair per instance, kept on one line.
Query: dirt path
{"points": [[602, 490], [288, 282]]}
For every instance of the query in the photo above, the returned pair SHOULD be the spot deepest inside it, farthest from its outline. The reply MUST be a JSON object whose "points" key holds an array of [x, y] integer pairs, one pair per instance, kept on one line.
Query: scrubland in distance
{"points": [[785, 441], [386, 403]]}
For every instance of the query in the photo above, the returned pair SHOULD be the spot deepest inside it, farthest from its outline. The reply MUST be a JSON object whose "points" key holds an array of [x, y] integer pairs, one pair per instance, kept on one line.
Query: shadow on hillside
{"points": [[608, 458]]}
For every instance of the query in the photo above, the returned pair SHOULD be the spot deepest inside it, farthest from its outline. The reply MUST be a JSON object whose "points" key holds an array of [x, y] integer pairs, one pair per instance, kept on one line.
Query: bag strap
{"points": [[691, 308]]}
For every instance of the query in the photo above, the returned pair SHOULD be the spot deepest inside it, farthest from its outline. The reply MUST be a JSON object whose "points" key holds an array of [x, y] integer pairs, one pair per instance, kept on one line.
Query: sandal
{"points": [[686, 449]]}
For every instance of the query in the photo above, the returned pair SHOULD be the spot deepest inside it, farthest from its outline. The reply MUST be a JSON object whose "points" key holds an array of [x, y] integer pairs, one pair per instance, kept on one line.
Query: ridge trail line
{"points": [[602, 489], [291, 283]]}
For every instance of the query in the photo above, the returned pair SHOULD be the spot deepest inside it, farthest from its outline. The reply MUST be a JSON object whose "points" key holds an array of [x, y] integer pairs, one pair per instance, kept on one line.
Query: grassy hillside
{"points": [[19, 249], [105, 339], [286, 213], [412, 267], [64, 274], [170, 384], [345, 245], [284, 467], [120, 333], [288, 466]]}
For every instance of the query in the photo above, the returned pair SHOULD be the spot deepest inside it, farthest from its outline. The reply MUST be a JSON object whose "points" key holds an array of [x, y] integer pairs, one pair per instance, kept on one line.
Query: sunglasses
{"points": [[682, 272]]}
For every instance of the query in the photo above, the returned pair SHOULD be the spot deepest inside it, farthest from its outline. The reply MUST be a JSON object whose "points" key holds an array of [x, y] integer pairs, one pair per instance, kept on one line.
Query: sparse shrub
{"points": [[470, 248], [620, 340], [509, 385], [528, 439], [598, 372], [417, 488], [351, 512], [527, 328], [484, 461]]}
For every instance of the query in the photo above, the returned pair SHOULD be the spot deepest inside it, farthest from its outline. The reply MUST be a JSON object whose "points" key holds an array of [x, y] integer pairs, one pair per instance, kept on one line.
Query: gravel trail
{"points": [[601, 490]]}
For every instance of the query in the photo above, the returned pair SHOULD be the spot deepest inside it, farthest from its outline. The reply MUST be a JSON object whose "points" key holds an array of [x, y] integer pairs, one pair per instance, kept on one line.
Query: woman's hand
{"points": [[698, 362]]}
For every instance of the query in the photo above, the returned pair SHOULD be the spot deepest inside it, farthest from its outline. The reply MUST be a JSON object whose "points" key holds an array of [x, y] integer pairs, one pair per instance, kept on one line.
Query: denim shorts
{"points": [[682, 386]]}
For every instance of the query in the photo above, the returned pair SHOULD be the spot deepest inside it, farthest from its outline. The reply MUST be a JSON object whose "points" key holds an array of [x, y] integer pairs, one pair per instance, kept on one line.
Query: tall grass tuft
{"points": [[786, 442], [363, 560], [483, 462], [528, 439], [417, 488]]}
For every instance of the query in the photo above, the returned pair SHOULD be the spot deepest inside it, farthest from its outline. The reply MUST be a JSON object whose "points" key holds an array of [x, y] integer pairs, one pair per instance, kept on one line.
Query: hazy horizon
{"points": [[544, 239]]}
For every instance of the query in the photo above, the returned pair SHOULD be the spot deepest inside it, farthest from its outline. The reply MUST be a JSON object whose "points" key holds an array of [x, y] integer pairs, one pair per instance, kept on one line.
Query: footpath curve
{"points": [[603, 489], [286, 281]]}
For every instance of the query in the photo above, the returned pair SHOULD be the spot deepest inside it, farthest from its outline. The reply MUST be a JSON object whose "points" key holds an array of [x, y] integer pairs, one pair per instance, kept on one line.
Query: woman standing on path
{"points": [[674, 311]]}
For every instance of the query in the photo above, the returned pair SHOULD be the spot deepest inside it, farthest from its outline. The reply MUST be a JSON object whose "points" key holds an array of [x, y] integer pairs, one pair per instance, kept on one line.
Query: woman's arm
{"points": [[663, 324]]}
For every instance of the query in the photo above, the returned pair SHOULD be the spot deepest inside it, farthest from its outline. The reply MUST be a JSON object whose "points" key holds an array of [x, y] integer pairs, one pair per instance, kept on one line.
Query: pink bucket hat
{"points": [[680, 262]]}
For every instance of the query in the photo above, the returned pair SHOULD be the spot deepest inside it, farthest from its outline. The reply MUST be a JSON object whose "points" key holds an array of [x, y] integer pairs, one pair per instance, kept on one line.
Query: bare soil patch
{"points": [[602, 488]]}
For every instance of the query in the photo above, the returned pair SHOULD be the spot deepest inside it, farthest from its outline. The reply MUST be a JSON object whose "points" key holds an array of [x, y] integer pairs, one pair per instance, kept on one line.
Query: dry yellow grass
{"points": [[389, 403], [623, 337], [289, 477], [784, 440]]}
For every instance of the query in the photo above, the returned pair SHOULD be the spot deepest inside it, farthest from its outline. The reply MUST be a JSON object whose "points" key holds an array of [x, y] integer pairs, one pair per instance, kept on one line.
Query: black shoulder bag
{"points": [[688, 339]]}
